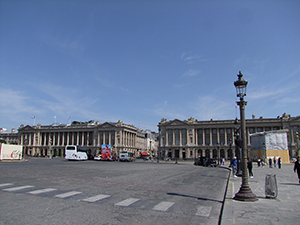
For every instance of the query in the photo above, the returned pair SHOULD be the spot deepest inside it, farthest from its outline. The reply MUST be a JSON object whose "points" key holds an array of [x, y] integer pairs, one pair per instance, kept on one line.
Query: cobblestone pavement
{"points": [[285, 209]]}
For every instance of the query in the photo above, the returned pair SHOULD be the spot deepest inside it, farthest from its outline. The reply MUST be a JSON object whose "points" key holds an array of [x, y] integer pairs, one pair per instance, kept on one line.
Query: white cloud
{"points": [[190, 58], [191, 73], [212, 107]]}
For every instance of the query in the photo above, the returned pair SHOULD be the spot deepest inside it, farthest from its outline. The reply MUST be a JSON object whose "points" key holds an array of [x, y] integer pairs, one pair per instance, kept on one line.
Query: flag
{"points": [[33, 117]]}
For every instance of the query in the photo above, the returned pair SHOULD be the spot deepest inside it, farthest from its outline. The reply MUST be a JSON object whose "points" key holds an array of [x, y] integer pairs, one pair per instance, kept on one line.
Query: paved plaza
{"points": [[45, 191], [285, 209]]}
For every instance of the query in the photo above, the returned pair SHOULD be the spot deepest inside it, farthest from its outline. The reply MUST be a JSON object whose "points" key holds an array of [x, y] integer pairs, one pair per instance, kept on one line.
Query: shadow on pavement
{"points": [[199, 198]]}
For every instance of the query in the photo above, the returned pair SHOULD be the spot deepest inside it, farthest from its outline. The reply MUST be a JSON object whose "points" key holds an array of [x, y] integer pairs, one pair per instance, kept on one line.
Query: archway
{"points": [[207, 153], [215, 154]]}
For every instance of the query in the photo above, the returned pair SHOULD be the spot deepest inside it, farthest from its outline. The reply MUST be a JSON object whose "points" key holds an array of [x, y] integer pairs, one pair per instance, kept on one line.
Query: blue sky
{"points": [[141, 61]]}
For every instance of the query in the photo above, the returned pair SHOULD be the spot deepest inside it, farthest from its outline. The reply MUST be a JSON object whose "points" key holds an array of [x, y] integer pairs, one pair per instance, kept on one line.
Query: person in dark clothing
{"points": [[279, 163], [297, 167], [270, 162], [249, 165]]}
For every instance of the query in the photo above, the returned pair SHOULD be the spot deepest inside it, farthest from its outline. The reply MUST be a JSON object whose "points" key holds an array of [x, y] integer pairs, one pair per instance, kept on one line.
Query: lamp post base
{"points": [[245, 194]]}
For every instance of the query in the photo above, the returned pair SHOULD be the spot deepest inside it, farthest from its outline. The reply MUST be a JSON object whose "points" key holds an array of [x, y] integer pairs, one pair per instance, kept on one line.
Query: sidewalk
{"points": [[285, 209]]}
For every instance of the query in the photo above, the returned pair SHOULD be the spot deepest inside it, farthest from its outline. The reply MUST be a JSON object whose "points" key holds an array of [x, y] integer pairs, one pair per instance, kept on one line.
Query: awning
{"points": [[144, 153]]}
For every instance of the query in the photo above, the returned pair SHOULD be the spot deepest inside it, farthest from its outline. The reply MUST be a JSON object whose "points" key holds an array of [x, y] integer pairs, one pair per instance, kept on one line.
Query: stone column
{"points": [[210, 137]]}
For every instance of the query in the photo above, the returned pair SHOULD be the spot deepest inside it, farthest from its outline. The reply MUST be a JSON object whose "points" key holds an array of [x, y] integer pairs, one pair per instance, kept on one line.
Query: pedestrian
{"points": [[233, 164], [270, 162], [279, 162], [223, 162], [250, 168], [258, 163], [297, 167], [275, 162]]}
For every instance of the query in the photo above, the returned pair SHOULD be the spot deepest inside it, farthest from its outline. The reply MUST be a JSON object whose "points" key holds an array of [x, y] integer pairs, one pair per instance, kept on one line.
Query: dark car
{"points": [[211, 162], [90, 156]]}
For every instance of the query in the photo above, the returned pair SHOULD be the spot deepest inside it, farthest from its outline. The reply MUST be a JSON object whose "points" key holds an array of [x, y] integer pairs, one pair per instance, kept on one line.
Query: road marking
{"points": [[203, 211], [95, 198], [18, 188], [42, 191], [7, 184], [163, 206], [127, 202], [67, 194]]}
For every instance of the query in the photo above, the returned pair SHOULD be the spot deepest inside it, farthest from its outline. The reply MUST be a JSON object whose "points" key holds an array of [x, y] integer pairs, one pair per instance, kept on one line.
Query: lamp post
{"points": [[237, 142], [25, 145], [245, 193], [230, 150]]}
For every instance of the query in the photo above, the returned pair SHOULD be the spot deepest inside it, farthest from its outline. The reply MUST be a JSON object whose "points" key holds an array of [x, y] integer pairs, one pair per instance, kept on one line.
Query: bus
{"points": [[126, 156], [75, 152]]}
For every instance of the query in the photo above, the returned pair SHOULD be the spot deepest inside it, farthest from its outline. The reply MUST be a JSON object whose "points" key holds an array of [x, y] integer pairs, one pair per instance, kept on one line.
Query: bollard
{"points": [[271, 189]]}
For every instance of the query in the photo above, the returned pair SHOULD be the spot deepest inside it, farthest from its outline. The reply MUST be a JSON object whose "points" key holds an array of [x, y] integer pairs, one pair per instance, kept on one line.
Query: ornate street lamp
{"points": [[245, 193], [24, 151]]}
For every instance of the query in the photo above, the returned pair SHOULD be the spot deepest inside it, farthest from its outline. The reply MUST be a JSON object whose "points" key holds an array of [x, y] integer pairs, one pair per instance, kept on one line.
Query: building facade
{"points": [[122, 137], [9, 137], [191, 138]]}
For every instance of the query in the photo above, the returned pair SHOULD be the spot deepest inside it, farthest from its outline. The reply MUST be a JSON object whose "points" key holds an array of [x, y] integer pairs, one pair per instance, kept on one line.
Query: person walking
{"points": [[223, 162], [297, 167], [270, 162], [250, 167], [233, 164], [279, 162], [275, 162]]}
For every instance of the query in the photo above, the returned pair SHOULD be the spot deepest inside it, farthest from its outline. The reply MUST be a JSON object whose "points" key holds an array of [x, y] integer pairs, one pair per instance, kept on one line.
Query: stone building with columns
{"points": [[191, 138], [122, 137]]}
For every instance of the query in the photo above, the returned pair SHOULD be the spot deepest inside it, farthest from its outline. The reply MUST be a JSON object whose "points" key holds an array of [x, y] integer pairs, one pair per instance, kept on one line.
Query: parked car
{"points": [[97, 157], [90, 156], [210, 162]]}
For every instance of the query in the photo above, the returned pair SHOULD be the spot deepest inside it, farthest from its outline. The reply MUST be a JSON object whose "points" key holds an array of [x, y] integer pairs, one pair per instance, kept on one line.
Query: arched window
{"points": [[222, 153], [215, 154], [200, 152], [207, 153]]}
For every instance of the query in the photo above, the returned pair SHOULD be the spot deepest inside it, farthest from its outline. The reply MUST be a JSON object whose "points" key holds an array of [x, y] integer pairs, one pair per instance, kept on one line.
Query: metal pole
{"points": [[245, 193], [25, 149]]}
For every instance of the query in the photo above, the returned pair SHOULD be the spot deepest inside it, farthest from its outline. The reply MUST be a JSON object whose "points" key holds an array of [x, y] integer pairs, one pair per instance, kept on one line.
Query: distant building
{"points": [[122, 137], [215, 138], [9, 137]]}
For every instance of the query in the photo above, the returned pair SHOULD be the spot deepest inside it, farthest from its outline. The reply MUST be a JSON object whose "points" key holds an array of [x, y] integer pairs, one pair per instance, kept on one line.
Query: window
{"points": [[221, 131], [207, 141], [184, 137], [200, 137], [222, 141], [228, 131], [295, 128], [259, 129], [177, 137], [251, 130], [170, 137]]}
